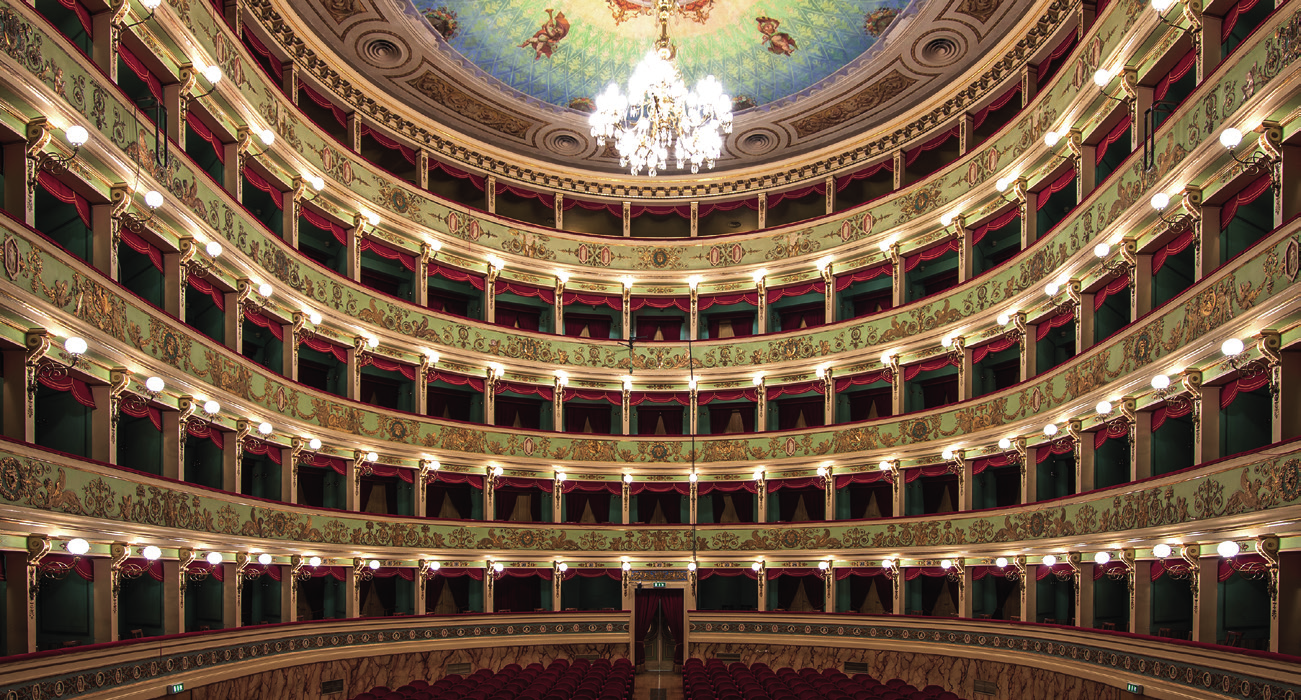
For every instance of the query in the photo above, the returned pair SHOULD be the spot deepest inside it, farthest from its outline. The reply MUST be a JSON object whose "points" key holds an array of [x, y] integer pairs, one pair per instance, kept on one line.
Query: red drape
{"points": [[335, 464], [636, 398], [868, 477], [843, 181], [1056, 447], [912, 155], [1044, 327], [1229, 565], [408, 371], [816, 385], [1116, 286], [751, 298], [477, 180], [202, 131], [1174, 247], [681, 303], [136, 242], [547, 296], [980, 352], [256, 180], [1180, 69], [1231, 17], [614, 397], [407, 152], [1046, 68], [1250, 382], [795, 290], [706, 487], [457, 275], [702, 574], [141, 411], [978, 233], [1112, 136], [142, 71], [776, 198], [204, 429], [83, 15], [705, 209], [1247, 195], [636, 210], [584, 298], [84, 566], [258, 319], [978, 117], [474, 480], [952, 245], [65, 194], [339, 352], [705, 397], [844, 282], [1067, 179], [255, 44], [80, 390], [911, 371], [810, 482], [255, 446], [408, 260], [1179, 410], [321, 100], [338, 231], [544, 392], [206, 287], [612, 487], [474, 383], [614, 573]]}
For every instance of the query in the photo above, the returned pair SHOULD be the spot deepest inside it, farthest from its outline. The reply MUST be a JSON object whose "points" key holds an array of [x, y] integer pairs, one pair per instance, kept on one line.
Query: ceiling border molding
{"points": [[1054, 16]]}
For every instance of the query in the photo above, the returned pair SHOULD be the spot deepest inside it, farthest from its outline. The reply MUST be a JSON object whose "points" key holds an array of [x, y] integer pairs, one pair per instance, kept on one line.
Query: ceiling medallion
{"points": [[660, 119]]}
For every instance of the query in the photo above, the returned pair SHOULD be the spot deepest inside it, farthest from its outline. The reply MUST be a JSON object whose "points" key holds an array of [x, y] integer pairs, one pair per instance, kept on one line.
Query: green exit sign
{"points": [[1134, 688], [660, 584], [175, 688]]}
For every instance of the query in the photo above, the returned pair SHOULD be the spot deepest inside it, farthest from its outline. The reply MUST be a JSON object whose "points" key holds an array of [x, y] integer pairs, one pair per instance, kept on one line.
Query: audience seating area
{"points": [[562, 680], [715, 681]]}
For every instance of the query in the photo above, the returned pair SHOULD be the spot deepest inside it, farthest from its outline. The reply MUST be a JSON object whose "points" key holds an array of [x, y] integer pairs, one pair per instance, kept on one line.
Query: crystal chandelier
{"points": [[660, 119]]}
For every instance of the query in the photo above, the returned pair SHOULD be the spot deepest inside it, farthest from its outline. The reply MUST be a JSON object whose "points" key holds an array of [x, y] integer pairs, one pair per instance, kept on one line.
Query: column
{"points": [[289, 589], [693, 327], [625, 407], [103, 241], [1140, 446], [289, 473], [353, 135], [1206, 38], [1028, 349], [896, 275], [487, 588], [1083, 592], [761, 498], [427, 254], [232, 594], [761, 320], [14, 396], [829, 589], [896, 386], [175, 429], [1207, 415], [965, 373], [625, 312], [830, 184], [1207, 605], [1289, 423], [20, 602], [761, 409], [352, 579], [828, 399], [965, 582], [627, 219], [557, 502], [1084, 462], [558, 306], [38, 342], [421, 584], [829, 296], [763, 209], [1029, 472], [489, 397], [695, 223], [420, 505], [897, 491], [17, 194], [103, 419], [352, 368], [1028, 202], [625, 501], [106, 610], [763, 586], [352, 479], [1029, 589], [897, 170], [966, 133], [1140, 597], [355, 235], [897, 592], [558, 404], [693, 409], [694, 496], [965, 479], [1084, 317], [1206, 233]]}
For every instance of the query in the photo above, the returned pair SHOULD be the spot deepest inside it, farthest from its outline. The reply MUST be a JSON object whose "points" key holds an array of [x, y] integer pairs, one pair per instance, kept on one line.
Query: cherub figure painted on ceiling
{"points": [[779, 43], [544, 41]]}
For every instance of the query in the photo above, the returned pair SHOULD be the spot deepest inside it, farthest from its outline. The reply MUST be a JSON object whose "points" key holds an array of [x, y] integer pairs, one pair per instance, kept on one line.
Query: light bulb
{"points": [[822, 471], [885, 245], [151, 5], [756, 566], [264, 559], [1002, 183], [498, 471], [373, 565], [1052, 288], [434, 566], [884, 465], [1103, 408], [214, 558], [318, 183], [1051, 138], [267, 137], [75, 345], [1001, 562], [372, 342], [628, 282], [265, 289], [946, 220], [372, 456], [946, 564], [77, 546], [154, 384], [563, 567], [1228, 549], [691, 566], [1160, 382], [1004, 319], [758, 475], [627, 478], [211, 407], [887, 358], [212, 73], [1050, 560], [693, 281], [887, 563], [1101, 77], [314, 443], [76, 135], [824, 565], [759, 274], [1160, 201], [1102, 250], [432, 357], [434, 465], [561, 476], [151, 553], [1230, 347], [213, 248], [627, 566], [153, 199], [947, 454], [820, 372], [824, 262], [1102, 558], [264, 428], [1161, 551], [314, 318], [1050, 429], [1229, 138], [693, 477], [562, 276], [1162, 5], [372, 218], [1004, 444], [314, 561], [758, 379], [495, 262]]}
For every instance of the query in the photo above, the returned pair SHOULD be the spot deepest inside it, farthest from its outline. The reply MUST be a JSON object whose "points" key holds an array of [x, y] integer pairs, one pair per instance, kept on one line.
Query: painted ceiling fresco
{"points": [[565, 52]]}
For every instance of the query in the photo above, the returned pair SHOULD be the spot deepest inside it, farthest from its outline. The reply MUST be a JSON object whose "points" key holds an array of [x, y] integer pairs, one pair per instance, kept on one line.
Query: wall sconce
{"points": [[213, 75], [363, 570], [317, 185], [954, 346], [77, 136], [133, 222], [1230, 138], [151, 5], [496, 570], [953, 570], [1102, 77], [824, 570], [889, 568], [267, 137]]}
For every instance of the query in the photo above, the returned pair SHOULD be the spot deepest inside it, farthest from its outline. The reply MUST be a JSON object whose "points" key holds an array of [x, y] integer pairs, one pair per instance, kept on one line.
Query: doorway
{"points": [[659, 629]]}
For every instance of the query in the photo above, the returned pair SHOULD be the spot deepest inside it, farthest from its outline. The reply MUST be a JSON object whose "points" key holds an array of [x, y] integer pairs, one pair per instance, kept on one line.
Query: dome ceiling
{"points": [[565, 53], [519, 76]]}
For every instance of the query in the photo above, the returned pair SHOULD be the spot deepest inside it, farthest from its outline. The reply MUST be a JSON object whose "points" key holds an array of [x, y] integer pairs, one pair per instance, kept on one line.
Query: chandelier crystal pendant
{"points": [[660, 120]]}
